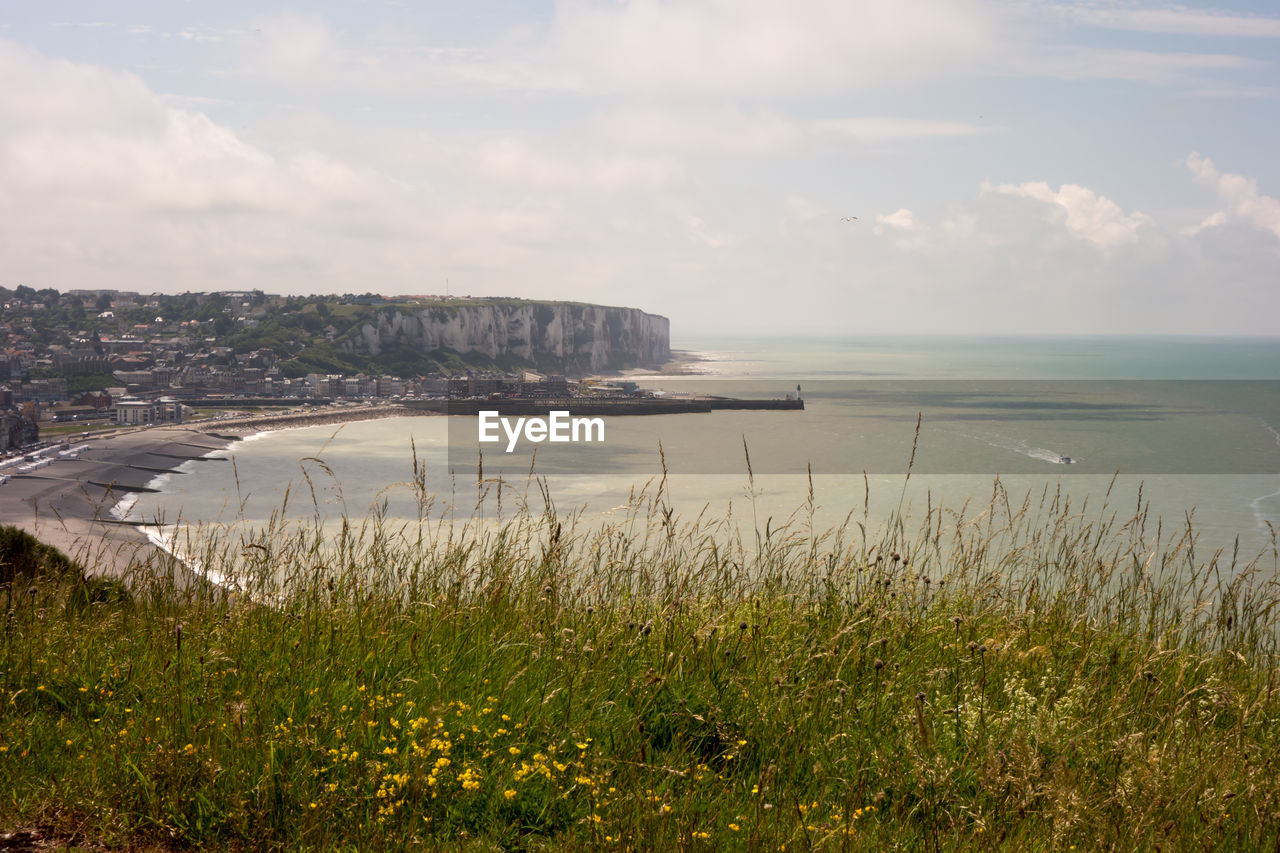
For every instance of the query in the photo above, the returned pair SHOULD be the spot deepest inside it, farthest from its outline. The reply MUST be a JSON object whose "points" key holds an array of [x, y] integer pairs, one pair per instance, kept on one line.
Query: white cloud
{"points": [[1047, 42], [87, 135], [1073, 62], [515, 161], [654, 47], [758, 133], [101, 180], [105, 183], [699, 49], [759, 46], [883, 128], [1007, 260], [1239, 194], [298, 48], [800, 209], [1170, 20], [1213, 220], [902, 230], [901, 219], [716, 130], [200, 34], [1085, 214], [1226, 92], [698, 231]]}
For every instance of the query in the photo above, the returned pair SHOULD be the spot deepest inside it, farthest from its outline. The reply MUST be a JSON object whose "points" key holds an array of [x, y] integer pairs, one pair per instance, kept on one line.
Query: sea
{"points": [[1185, 428]]}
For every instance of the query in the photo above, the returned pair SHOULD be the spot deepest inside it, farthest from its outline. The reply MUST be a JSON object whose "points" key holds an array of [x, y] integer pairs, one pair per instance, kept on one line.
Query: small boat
{"points": [[1065, 460]]}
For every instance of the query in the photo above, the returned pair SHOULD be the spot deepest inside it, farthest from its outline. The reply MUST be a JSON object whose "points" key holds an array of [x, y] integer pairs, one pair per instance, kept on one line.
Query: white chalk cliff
{"points": [[565, 336]]}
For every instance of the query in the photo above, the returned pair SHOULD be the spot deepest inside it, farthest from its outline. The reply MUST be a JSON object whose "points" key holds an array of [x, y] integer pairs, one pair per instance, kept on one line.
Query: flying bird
{"points": [[848, 218]]}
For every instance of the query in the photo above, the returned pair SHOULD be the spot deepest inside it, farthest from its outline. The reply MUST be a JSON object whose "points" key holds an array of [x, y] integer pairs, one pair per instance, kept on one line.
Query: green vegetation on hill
{"points": [[1038, 677], [397, 360], [27, 564], [24, 558]]}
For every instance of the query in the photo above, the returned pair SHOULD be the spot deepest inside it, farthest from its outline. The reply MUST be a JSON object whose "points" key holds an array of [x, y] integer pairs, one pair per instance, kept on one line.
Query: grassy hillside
{"points": [[1039, 677]]}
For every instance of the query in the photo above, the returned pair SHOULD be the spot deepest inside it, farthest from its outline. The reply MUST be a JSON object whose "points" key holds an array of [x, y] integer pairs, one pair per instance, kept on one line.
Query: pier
{"points": [[598, 405]]}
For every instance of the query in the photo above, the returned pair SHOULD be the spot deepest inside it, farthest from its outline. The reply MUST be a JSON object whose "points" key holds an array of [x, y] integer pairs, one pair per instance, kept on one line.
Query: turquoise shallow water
{"points": [[1209, 449]]}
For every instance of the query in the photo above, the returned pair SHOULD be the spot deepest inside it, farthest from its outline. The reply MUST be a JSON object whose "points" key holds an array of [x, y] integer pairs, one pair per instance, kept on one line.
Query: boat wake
{"points": [[1023, 448], [1267, 521]]}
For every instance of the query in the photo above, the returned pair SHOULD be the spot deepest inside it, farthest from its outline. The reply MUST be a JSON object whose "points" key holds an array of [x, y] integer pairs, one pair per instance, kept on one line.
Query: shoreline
{"points": [[256, 424], [70, 503], [683, 362]]}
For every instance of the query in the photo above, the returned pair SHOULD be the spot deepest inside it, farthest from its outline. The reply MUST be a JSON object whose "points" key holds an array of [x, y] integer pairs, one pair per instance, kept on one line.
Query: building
{"points": [[42, 390], [134, 378], [133, 412], [483, 386], [99, 400], [390, 386], [17, 429], [80, 362]]}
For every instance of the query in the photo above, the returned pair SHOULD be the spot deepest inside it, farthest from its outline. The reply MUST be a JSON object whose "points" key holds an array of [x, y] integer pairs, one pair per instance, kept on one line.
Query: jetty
{"points": [[598, 405]]}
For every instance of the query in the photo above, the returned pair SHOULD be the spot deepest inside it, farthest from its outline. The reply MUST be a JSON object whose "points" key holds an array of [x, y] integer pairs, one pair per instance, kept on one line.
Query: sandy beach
{"points": [[68, 503]]}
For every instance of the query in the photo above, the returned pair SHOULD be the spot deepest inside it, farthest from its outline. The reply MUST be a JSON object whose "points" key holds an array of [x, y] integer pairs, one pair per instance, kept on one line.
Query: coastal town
{"points": [[90, 359]]}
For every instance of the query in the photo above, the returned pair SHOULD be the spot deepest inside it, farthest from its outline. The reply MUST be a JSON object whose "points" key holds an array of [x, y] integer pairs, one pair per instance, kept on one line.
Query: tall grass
{"points": [[1030, 674]]}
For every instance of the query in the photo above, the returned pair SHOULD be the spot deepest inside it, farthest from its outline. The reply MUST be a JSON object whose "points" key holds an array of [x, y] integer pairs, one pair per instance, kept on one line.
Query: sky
{"points": [[740, 166]]}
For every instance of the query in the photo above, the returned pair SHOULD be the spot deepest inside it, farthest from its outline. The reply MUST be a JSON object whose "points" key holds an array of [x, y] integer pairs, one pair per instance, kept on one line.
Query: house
{"points": [[99, 400]]}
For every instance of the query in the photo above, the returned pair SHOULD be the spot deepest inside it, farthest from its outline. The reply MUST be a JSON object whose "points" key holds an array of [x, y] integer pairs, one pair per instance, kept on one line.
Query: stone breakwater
{"points": [[559, 336]]}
